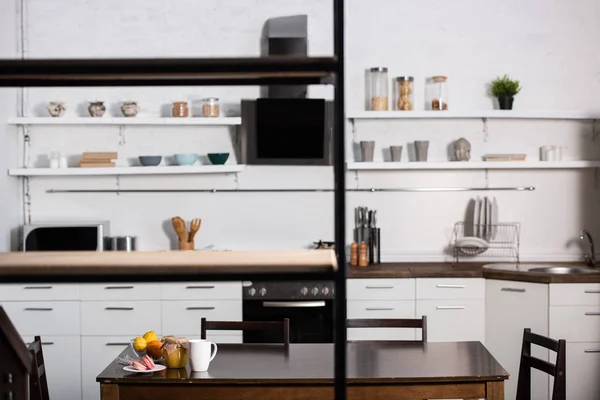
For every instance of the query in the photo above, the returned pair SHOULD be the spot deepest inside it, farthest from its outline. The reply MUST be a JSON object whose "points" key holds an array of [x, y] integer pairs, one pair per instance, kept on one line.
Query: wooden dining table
{"points": [[375, 371]]}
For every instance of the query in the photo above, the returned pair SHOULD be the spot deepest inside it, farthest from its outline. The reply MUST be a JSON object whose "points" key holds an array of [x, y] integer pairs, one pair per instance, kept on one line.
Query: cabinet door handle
{"points": [[592, 350], [117, 344], [118, 308], [200, 308], [38, 309], [450, 307], [450, 286], [37, 287], [592, 291], [117, 287], [510, 289], [592, 313], [380, 309], [43, 343], [200, 287], [379, 287]]}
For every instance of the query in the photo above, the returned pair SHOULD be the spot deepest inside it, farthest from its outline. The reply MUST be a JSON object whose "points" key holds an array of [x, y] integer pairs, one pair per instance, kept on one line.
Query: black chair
{"points": [[256, 326], [38, 381], [391, 323], [559, 391]]}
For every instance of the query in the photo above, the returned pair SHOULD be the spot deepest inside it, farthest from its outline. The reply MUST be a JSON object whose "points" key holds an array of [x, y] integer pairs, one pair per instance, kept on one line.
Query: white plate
{"points": [[488, 219], [157, 367], [494, 218], [471, 245], [482, 226], [476, 217]]}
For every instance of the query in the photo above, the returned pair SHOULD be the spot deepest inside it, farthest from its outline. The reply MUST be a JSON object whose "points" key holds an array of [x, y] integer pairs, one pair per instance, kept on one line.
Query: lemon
{"points": [[150, 336], [139, 344]]}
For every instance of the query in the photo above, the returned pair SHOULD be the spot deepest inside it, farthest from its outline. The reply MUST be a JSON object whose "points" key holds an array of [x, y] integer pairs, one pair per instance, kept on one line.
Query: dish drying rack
{"points": [[503, 240]]}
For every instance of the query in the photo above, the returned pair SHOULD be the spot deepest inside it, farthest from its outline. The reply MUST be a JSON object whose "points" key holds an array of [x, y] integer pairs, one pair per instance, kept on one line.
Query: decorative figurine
{"points": [[96, 108], [130, 108], [57, 108], [462, 150]]}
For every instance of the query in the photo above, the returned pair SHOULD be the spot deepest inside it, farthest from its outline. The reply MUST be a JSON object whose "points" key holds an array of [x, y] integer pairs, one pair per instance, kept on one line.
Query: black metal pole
{"points": [[339, 173]]}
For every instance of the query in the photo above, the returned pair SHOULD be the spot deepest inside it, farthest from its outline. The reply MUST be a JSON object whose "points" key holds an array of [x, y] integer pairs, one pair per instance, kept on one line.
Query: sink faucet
{"points": [[589, 259]]}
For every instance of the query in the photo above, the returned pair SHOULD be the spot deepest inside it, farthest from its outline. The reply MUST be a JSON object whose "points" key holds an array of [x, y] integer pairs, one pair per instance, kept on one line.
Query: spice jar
{"points": [[377, 93], [175, 351], [210, 107], [404, 94], [437, 93], [180, 109]]}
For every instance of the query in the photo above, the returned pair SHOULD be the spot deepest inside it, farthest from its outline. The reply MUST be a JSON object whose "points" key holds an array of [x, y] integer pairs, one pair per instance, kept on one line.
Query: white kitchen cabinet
{"points": [[510, 308], [132, 318], [39, 292], [58, 318], [453, 320], [62, 360], [202, 291], [583, 366], [183, 317], [381, 309], [120, 291], [450, 288], [380, 289], [98, 352]]}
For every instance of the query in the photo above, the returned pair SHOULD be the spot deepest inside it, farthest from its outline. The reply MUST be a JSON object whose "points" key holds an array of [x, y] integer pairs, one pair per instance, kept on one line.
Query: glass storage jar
{"points": [[377, 89], [210, 107], [180, 109], [175, 351], [404, 93], [437, 93]]}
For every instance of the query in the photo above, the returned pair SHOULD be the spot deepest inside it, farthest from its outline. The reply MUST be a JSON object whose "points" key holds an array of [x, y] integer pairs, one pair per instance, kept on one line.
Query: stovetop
{"points": [[288, 290]]}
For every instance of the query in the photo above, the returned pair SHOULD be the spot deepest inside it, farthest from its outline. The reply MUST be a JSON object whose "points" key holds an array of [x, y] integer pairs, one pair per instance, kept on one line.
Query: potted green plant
{"points": [[505, 89]]}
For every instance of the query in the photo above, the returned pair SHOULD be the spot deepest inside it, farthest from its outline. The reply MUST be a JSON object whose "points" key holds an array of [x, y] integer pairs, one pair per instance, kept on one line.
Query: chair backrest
{"points": [[38, 381], [559, 391], [256, 326], [391, 323]]}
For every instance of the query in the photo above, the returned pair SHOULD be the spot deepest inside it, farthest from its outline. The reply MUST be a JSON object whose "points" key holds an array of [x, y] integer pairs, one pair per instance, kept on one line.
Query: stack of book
{"points": [[98, 160]]}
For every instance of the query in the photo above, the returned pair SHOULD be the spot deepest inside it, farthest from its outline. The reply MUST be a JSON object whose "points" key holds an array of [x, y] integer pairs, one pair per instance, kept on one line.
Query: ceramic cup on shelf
{"points": [[96, 108], [57, 108], [130, 108], [421, 149], [367, 150], [202, 352], [396, 153]]}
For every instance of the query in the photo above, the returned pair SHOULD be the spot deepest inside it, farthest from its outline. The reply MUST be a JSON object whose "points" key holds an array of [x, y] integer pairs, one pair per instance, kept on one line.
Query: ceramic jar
{"points": [[57, 108], [180, 109], [96, 108], [462, 150], [130, 108]]}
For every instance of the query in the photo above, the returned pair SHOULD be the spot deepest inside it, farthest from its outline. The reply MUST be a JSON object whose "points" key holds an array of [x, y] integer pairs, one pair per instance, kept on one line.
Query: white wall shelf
{"points": [[492, 114], [169, 170], [193, 121], [473, 165]]}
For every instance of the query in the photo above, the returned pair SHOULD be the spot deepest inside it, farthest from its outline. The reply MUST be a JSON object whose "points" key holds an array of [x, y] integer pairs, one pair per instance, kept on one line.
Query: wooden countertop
{"points": [[467, 270], [161, 265], [368, 363]]}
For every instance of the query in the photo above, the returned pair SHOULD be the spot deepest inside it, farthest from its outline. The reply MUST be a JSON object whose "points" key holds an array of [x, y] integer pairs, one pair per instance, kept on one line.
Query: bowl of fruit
{"points": [[149, 344]]}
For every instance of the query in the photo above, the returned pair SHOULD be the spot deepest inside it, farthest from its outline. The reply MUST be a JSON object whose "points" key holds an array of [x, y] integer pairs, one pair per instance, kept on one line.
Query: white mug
{"points": [[202, 353]]}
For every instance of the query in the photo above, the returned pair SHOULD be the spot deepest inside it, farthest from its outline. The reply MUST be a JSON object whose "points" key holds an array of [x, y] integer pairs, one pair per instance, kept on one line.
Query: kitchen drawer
{"points": [[44, 318], [583, 370], [575, 323], [575, 294], [453, 320], [182, 317], [381, 309], [120, 291], [98, 352], [39, 292], [131, 318], [380, 289], [202, 291], [450, 288], [62, 358], [359, 334]]}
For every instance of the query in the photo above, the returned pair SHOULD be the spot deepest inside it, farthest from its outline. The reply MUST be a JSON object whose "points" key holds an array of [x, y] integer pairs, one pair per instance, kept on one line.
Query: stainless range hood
{"points": [[285, 37]]}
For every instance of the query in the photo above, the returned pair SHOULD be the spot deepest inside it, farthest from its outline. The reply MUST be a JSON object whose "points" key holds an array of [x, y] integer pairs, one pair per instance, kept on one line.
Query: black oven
{"points": [[308, 305]]}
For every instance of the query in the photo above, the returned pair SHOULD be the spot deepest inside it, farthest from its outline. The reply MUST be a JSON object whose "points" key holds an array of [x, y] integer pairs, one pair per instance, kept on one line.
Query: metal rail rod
{"points": [[369, 190], [339, 173]]}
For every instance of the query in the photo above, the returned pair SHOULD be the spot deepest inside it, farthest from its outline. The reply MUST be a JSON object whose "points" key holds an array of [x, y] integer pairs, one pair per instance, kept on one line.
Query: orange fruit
{"points": [[154, 349]]}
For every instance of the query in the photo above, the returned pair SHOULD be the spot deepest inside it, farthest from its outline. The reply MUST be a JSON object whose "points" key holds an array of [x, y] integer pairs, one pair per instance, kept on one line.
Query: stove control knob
{"points": [[325, 291], [315, 291], [262, 291], [251, 291], [304, 291]]}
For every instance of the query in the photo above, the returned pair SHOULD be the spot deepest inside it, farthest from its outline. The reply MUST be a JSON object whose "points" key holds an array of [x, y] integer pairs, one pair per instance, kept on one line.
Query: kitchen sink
{"points": [[559, 270]]}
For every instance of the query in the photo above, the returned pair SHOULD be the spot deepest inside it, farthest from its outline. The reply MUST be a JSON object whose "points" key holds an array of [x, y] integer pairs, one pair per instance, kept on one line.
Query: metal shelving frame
{"points": [[220, 71]]}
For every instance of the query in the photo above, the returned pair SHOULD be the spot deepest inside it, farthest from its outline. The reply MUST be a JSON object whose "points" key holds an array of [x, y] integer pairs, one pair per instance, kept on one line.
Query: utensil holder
{"points": [[367, 150], [421, 149], [186, 245], [396, 153]]}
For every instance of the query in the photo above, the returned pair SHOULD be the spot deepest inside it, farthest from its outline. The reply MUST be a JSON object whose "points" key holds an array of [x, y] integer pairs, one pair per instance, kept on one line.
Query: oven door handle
{"points": [[293, 304]]}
